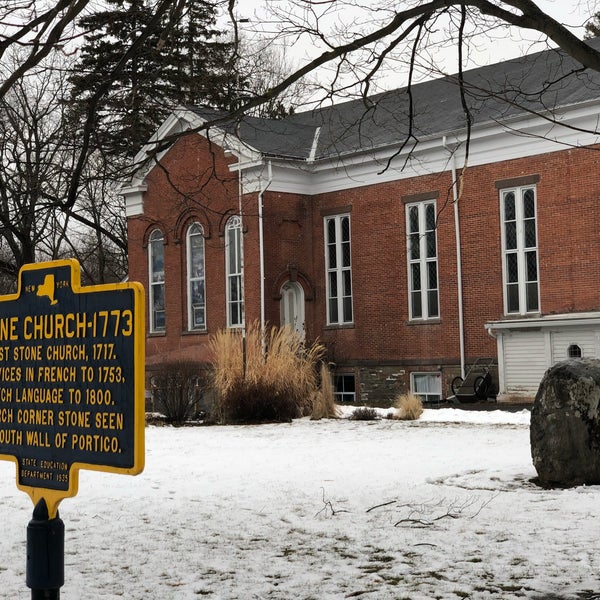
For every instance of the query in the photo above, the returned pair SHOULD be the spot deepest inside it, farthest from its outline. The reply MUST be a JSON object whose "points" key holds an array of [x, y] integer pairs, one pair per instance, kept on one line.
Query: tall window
{"points": [[422, 261], [156, 261], [339, 275], [519, 240], [195, 277], [234, 272]]}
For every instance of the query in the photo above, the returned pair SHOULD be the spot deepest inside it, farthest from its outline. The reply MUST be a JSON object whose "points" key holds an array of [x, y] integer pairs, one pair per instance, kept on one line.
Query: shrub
{"points": [[364, 413], [177, 388], [323, 405], [260, 378], [409, 407]]}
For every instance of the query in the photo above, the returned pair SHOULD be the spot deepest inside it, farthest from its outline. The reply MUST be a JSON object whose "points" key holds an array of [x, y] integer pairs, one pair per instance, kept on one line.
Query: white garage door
{"points": [[525, 360]]}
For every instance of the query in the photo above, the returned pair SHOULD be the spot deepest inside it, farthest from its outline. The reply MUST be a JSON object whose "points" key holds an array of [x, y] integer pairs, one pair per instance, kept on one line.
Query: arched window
{"points": [[156, 261], [234, 272], [195, 277]]}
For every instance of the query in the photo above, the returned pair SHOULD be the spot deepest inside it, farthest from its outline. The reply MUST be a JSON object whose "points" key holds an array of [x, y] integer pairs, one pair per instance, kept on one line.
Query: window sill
{"points": [[424, 322], [340, 326], [194, 332], [157, 333]]}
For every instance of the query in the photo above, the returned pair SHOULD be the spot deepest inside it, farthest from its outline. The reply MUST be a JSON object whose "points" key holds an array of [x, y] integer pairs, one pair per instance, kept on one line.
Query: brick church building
{"points": [[352, 223]]}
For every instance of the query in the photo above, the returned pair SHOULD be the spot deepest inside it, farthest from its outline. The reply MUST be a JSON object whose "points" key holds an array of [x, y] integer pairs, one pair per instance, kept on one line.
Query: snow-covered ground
{"points": [[438, 508]]}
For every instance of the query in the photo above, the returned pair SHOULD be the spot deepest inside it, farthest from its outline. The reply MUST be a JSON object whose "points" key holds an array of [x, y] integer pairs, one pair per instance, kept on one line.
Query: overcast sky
{"points": [[500, 46]]}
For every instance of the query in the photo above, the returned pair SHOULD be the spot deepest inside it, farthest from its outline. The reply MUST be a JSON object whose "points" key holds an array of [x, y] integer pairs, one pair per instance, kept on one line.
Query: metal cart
{"points": [[478, 383]]}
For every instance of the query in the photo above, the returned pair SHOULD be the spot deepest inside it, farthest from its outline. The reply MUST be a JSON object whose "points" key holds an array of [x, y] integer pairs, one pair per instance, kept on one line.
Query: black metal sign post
{"points": [[45, 573], [71, 396]]}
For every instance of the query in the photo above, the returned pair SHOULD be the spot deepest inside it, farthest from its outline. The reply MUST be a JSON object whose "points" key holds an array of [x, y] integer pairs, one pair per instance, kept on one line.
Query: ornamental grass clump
{"points": [[409, 407], [323, 405], [263, 378]]}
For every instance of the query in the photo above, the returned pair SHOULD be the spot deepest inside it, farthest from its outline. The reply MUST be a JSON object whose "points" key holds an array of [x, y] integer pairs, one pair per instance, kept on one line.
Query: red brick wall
{"points": [[181, 191], [568, 198]]}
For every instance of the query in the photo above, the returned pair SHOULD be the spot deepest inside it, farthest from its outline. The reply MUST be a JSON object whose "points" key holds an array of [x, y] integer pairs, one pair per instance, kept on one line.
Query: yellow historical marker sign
{"points": [[71, 379]]}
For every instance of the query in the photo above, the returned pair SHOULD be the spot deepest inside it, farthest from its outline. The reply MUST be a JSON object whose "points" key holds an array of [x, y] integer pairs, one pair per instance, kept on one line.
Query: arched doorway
{"points": [[292, 306]]}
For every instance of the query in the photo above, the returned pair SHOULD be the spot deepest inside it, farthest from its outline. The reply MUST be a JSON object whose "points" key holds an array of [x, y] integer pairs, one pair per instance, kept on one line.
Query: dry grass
{"points": [[270, 378], [409, 407], [324, 406]]}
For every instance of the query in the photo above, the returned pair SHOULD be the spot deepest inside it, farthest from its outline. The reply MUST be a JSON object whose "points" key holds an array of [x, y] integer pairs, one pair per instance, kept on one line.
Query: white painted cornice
{"points": [[547, 321], [492, 142]]}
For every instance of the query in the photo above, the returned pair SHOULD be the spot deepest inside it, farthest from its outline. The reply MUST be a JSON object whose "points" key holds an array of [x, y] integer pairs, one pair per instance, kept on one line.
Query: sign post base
{"points": [[45, 573]]}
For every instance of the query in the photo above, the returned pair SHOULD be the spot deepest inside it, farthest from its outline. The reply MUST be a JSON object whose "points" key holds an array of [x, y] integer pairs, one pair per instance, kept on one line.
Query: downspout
{"points": [[261, 246], [240, 194], [461, 326]]}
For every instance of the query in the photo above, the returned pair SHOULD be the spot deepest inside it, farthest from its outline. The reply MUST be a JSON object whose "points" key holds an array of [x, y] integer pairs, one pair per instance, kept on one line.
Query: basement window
{"points": [[427, 385], [344, 387]]}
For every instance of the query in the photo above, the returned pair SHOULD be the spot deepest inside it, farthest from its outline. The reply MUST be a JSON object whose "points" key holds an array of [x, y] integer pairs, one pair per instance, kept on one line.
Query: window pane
{"points": [[234, 294], [530, 241], [529, 204], [532, 297], [416, 276], [347, 304], [332, 258], [432, 303], [347, 283], [432, 275], [531, 260], [234, 316], [415, 250], [233, 251], [429, 217], [346, 254], [159, 320], [331, 231], [512, 268], [198, 316], [512, 297], [333, 288], [413, 219], [509, 206], [417, 311], [510, 231], [431, 245], [345, 222], [158, 306], [197, 292], [333, 310]]}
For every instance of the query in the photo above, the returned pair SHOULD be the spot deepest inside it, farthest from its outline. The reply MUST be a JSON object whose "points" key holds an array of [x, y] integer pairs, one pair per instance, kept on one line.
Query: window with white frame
{"points": [[344, 385], [338, 269], [423, 297], [234, 272], [427, 385], [520, 254], [156, 261], [195, 277]]}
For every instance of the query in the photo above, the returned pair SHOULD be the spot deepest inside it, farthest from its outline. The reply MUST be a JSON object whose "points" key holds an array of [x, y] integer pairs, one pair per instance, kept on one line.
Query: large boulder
{"points": [[565, 424]]}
